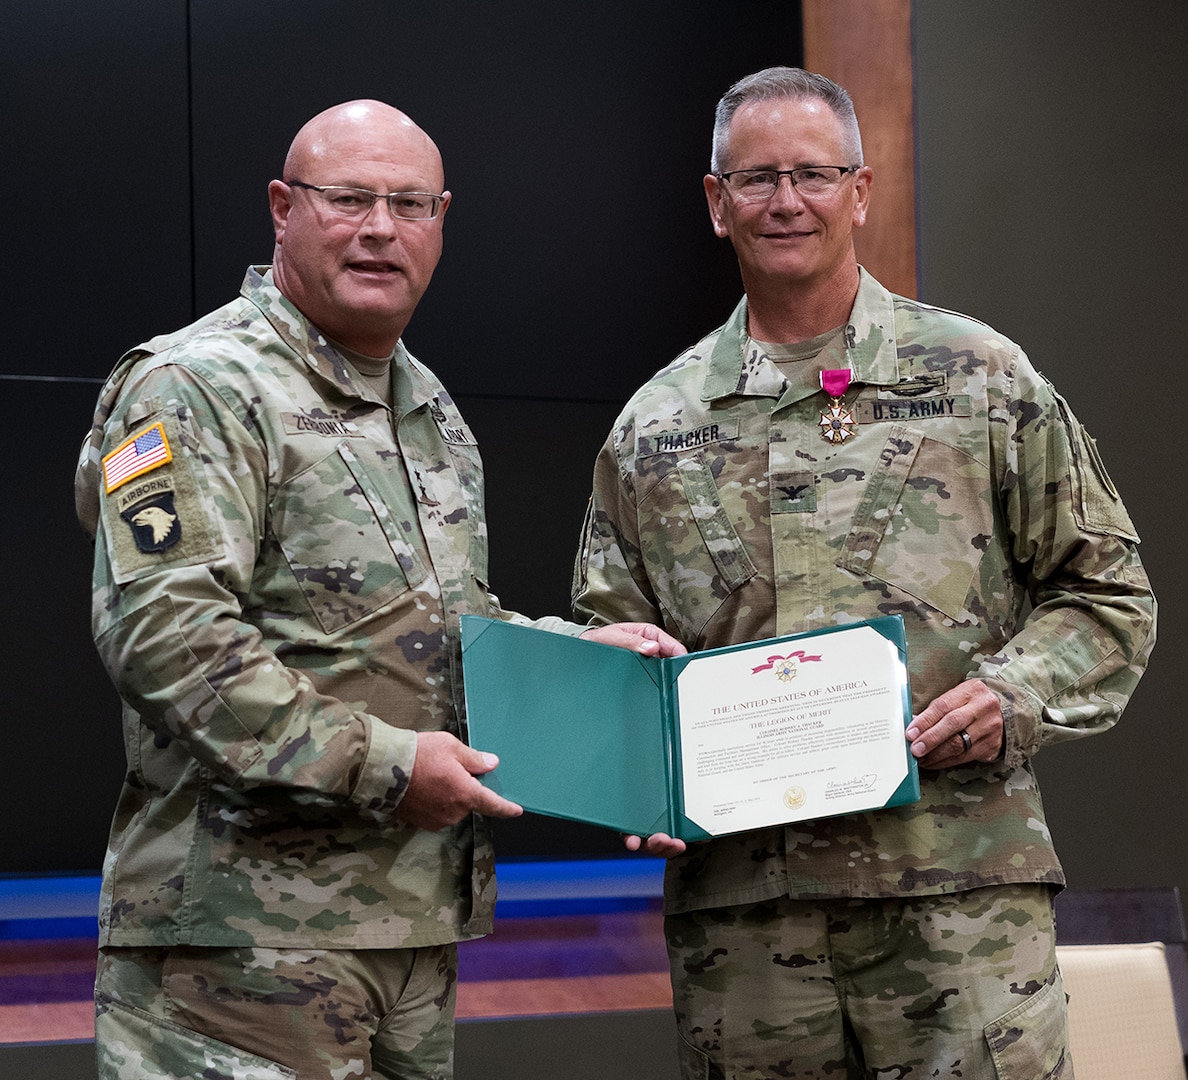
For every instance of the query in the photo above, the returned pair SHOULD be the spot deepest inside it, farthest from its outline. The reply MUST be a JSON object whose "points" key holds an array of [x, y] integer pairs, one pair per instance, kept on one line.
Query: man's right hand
{"points": [[443, 790], [656, 844]]}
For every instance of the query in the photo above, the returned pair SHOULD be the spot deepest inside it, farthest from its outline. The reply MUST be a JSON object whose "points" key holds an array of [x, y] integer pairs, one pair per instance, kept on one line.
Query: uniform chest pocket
{"points": [[694, 554], [468, 468], [923, 522], [342, 541]]}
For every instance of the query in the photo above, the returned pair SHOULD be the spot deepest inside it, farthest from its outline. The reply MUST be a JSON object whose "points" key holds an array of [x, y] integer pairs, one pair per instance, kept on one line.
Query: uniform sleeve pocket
{"points": [[162, 518], [1095, 500]]}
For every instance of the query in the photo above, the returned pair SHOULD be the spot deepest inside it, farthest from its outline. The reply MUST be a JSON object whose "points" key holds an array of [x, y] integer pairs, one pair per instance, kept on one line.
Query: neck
{"points": [[371, 348], [780, 311], [376, 337]]}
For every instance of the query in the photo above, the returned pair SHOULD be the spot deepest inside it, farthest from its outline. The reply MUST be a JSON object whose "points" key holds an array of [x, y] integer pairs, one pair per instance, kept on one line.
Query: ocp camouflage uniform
{"points": [[968, 494], [281, 561]]}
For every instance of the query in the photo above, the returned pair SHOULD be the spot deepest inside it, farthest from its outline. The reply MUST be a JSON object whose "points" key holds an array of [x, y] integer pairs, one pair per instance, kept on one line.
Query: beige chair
{"points": [[1121, 1012], [1119, 950]]}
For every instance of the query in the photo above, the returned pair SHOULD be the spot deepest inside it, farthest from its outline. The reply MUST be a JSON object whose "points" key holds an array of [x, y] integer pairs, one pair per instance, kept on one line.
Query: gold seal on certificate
{"points": [[794, 798]]}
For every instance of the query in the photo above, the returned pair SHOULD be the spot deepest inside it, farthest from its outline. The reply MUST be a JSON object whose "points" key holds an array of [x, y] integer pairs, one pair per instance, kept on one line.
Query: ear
{"points": [[280, 202], [713, 197], [862, 181]]}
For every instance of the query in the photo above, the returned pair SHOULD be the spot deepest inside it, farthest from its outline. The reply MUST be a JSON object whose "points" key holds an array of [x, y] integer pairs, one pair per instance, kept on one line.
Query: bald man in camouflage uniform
{"points": [[940, 479], [288, 516]]}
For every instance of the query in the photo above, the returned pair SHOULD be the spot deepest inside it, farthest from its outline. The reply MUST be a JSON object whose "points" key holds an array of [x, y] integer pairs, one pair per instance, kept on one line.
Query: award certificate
{"points": [[778, 734], [716, 742]]}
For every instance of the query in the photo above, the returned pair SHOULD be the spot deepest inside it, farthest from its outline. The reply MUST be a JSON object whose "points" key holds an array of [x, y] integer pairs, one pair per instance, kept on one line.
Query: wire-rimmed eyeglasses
{"points": [[353, 202], [756, 185]]}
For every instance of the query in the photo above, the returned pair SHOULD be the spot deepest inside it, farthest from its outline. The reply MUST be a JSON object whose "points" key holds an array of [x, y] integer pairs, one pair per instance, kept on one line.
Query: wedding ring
{"points": [[966, 742]]}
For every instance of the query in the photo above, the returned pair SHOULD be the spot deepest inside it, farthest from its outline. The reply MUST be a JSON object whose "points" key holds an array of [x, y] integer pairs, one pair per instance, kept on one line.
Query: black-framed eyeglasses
{"points": [[353, 202], [757, 185]]}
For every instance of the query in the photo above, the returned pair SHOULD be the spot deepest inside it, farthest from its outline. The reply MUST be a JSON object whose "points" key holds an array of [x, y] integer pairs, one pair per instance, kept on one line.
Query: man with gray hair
{"points": [[289, 522], [859, 454]]}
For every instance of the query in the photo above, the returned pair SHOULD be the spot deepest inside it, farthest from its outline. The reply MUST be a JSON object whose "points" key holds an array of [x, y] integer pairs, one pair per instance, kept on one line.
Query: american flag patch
{"points": [[142, 453]]}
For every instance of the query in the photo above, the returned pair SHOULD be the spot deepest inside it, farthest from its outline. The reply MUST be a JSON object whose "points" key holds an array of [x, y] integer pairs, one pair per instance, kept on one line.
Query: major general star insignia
{"points": [[837, 422]]}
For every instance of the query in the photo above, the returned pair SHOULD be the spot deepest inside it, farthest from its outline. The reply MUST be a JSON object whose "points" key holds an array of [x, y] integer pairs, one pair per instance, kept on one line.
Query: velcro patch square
{"points": [[145, 451]]}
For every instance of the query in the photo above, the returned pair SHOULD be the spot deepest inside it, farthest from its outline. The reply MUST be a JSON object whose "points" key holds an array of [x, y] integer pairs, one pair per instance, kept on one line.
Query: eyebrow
{"points": [[776, 168]]}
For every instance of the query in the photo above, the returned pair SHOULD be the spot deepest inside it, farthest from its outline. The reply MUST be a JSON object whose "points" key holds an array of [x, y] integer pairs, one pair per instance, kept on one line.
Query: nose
{"points": [[378, 220], [783, 196]]}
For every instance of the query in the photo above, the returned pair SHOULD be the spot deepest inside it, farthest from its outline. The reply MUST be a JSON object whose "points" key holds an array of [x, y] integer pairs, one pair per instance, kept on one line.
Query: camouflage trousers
{"points": [[962, 986], [262, 1014]]}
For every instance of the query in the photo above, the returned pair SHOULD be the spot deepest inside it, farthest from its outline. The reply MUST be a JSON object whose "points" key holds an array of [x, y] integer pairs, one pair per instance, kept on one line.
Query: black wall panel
{"points": [[94, 122], [95, 237], [140, 136], [579, 256], [63, 755]]}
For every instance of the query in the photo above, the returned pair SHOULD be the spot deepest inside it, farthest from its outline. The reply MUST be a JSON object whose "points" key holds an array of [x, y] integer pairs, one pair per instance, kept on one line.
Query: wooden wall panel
{"points": [[866, 46]]}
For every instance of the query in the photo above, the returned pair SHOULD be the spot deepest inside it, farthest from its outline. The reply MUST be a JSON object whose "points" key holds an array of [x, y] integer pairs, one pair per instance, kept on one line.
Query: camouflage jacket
{"points": [[969, 501], [280, 564]]}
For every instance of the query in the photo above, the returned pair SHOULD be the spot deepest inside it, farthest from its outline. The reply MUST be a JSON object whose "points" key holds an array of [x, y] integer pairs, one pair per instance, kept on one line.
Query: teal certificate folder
{"points": [[707, 744]]}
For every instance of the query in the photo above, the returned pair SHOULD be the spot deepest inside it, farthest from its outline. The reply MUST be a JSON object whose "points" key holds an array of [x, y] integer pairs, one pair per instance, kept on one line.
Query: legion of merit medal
{"points": [[837, 421]]}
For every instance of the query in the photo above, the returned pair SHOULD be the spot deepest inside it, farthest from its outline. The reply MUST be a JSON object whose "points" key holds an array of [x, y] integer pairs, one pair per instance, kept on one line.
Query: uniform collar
{"points": [[867, 346], [319, 353]]}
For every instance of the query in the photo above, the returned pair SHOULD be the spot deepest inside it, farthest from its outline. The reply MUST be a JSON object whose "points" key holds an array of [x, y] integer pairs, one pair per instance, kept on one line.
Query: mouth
{"points": [[373, 268], [788, 234]]}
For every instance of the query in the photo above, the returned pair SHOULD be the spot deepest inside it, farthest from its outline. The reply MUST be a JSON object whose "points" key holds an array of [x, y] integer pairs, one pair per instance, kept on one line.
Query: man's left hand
{"points": [[639, 637], [972, 709]]}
